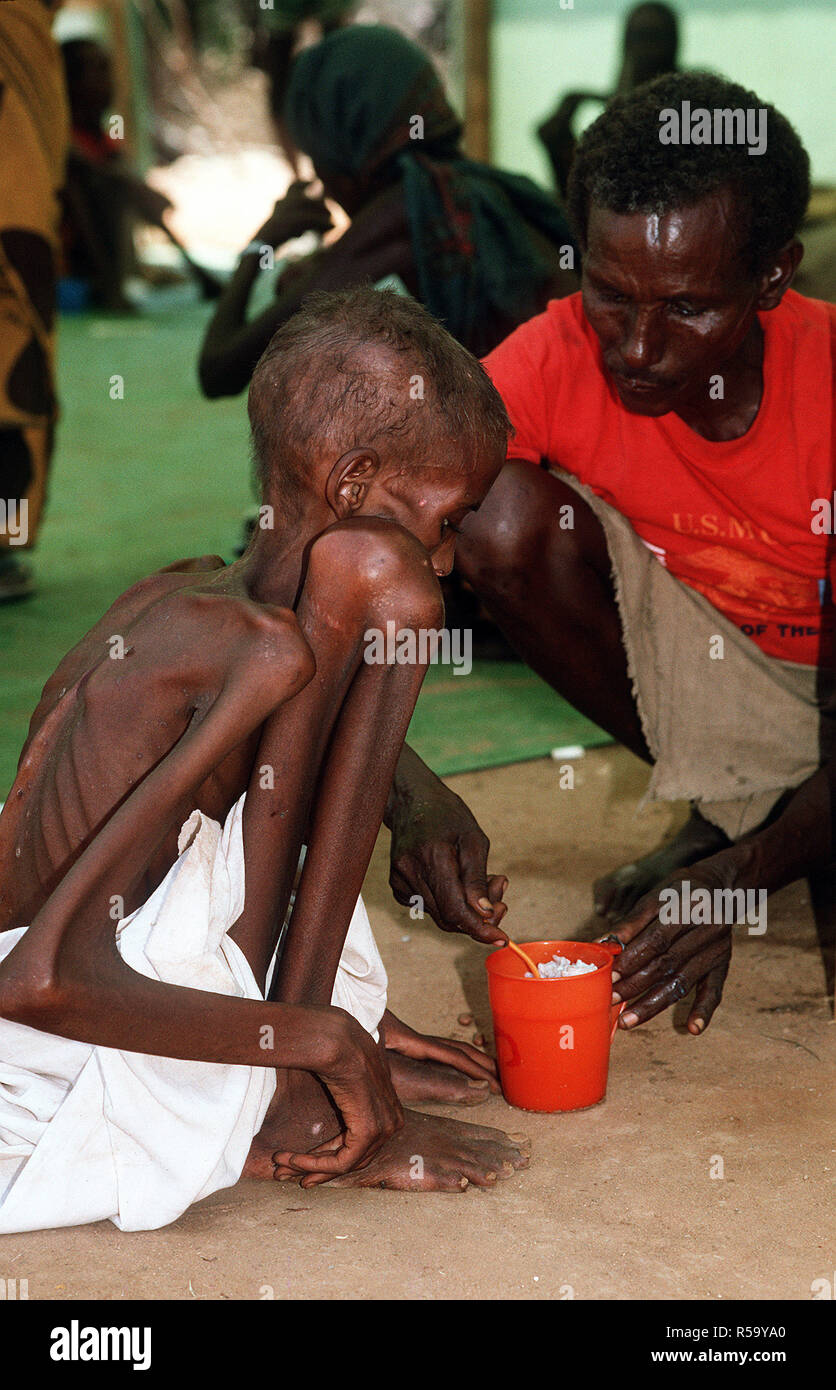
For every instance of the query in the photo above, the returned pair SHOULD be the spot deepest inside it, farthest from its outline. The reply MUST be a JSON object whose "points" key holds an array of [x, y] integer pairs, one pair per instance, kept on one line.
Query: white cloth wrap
{"points": [[89, 1133]]}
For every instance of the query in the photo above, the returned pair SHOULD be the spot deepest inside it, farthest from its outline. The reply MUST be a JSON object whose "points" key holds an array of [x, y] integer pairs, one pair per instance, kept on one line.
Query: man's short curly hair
{"points": [[622, 165]]}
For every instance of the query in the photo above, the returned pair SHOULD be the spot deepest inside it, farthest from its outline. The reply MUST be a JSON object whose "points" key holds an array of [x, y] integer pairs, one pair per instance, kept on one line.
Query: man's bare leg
{"points": [[615, 893], [551, 593], [359, 713]]}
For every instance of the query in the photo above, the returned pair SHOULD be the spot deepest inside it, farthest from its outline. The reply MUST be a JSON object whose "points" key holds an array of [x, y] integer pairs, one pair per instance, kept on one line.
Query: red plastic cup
{"points": [[553, 1036]]}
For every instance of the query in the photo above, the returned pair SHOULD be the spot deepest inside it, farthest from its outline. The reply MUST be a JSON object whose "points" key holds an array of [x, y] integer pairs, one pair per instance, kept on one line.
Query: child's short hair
{"points": [[315, 385]]}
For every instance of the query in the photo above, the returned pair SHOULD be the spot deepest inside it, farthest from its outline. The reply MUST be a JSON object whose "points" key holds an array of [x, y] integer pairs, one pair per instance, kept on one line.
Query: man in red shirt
{"points": [[657, 545]]}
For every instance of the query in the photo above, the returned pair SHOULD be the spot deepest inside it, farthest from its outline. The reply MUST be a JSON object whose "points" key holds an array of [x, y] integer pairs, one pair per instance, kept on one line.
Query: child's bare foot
{"points": [[300, 1116], [451, 1154], [434, 1083], [620, 890], [433, 1154], [430, 1070]]}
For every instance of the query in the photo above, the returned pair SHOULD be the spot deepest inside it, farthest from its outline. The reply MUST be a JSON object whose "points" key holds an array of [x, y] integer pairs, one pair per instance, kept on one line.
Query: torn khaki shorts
{"points": [[730, 734]]}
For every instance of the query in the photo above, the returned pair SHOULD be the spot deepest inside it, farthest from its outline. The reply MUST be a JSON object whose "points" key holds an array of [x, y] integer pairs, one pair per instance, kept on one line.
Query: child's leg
{"points": [[342, 736], [325, 760]]}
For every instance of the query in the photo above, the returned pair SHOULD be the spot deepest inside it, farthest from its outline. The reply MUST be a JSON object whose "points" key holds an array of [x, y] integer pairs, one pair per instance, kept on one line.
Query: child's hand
{"points": [[472, 1061], [353, 1069], [439, 855]]}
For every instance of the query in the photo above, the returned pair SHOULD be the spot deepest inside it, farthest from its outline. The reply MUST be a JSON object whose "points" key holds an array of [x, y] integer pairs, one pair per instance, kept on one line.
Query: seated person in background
{"points": [[103, 198], [481, 249], [651, 40], [214, 721]]}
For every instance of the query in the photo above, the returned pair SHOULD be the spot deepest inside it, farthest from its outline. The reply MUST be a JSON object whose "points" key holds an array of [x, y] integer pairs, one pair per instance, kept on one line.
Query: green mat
{"points": [[499, 713], [161, 474]]}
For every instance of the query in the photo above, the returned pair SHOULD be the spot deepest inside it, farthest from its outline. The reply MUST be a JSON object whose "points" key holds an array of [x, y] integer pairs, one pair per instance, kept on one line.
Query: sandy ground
{"points": [[619, 1201]]}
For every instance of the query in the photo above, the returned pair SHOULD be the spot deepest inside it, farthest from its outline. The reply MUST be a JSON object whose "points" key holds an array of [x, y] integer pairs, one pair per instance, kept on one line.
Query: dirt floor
{"points": [[619, 1201]]}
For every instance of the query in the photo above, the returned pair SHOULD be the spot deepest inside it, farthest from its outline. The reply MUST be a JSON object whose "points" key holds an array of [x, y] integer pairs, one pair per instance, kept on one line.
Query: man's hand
{"points": [[663, 961], [439, 854], [294, 214], [354, 1071]]}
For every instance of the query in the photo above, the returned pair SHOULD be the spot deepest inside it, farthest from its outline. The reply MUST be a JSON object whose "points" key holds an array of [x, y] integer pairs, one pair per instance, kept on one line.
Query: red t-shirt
{"points": [[731, 519]]}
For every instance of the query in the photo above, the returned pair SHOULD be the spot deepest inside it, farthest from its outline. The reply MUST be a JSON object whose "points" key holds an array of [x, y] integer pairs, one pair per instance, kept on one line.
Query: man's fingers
{"points": [[371, 1114], [662, 966], [490, 933], [636, 920], [350, 1157], [329, 1146], [670, 991], [491, 906], [654, 939], [301, 1163], [708, 994]]}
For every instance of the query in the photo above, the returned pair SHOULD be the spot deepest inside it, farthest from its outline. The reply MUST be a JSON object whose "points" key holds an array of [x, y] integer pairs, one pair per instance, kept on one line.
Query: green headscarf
{"points": [[365, 98]]}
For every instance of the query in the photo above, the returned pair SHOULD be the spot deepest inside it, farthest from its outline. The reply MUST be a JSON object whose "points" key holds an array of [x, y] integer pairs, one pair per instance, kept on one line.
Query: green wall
{"points": [[786, 52]]}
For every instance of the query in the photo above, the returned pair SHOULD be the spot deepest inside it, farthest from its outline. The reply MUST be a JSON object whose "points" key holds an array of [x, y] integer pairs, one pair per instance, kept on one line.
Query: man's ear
{"points": [[347, 485], [778, 278]]}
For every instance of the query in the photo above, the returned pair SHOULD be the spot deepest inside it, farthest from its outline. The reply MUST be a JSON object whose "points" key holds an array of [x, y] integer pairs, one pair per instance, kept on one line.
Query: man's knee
{"points": [[528, 515], [375, 571]]}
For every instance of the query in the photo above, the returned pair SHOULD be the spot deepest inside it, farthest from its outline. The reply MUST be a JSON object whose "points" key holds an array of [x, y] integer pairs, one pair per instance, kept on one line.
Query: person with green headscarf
{"points": [[483, 249]]}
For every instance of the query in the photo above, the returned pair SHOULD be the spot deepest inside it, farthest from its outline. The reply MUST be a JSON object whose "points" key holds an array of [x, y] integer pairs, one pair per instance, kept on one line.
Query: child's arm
{"points": [[439, 853], [67, 977]]}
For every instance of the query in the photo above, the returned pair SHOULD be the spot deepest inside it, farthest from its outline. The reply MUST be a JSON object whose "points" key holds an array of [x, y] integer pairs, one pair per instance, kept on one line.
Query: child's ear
{"points": [[347, 485]]}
